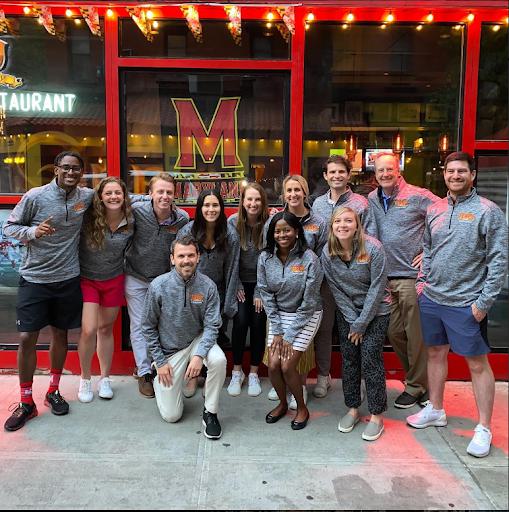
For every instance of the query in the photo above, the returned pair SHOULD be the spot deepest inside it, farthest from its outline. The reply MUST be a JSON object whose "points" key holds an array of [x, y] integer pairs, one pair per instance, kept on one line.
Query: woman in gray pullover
{"points": [[289, 279], [355, 268]]}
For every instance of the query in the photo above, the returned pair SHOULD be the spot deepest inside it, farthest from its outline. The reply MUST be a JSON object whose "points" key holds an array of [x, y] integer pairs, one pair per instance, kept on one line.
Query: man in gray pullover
{"points": [[396, 217], [337, 174], [156, 225], [180, 321], [48, 221], [463, 270]]}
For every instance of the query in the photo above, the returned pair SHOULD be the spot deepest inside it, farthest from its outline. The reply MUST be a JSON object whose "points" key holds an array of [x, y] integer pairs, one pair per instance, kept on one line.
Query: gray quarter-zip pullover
{"points": [[108, 261], [52, 258], [359, 287], [222, 267], [465, 252], [325, 207], [400, 229], [175, 312], [292, 287], [148, 256]]}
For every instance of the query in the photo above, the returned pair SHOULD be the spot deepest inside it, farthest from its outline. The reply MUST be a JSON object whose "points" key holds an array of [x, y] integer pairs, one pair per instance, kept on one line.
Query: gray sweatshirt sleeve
{"points": [[420, 283], [495, 229], [342, 300], [211, 323], [375, 293], [310, 302], [231, 273], [150, 326], [269, 302], [322, 240], [18, 223], [369, 222]]}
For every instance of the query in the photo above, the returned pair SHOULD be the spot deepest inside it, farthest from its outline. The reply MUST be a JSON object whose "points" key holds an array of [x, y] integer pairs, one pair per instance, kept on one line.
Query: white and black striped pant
{"points": [[304, 337], [364, 360]]}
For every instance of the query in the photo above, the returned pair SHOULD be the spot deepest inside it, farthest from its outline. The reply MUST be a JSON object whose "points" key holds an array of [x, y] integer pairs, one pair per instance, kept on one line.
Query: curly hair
{"points": [[95, 225]]}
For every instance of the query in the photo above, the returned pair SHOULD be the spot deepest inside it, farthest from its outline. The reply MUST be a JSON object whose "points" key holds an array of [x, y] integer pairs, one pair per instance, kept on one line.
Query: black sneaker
{"points": [[211, 424], [55, 401], [21, 414], [424, 399], [405, 401]]}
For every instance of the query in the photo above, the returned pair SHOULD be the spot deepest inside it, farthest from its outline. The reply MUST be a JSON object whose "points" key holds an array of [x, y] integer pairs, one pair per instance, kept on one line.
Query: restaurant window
{"points": [[207, 129], [51, 99], [371, 88], [172, 38], [492, 96], [492, 182]]}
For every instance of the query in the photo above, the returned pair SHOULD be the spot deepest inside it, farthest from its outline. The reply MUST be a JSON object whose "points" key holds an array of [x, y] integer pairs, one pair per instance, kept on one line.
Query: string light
{"points": [[109, 13], [383, 26], [470, 17], [310, 17], [68, 13], [40, 21], [495, 28], [270, 16], [150, 15], [419, 27], [77, 21], [155, 24], [457, 27], [344, 26], [350, 17], [390, 17], [26, 10], [430, 17], [306, 26]]}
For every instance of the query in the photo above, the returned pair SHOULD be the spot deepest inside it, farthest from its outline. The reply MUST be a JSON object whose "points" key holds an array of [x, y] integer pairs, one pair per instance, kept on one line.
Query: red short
{"points": [[108, 293]]}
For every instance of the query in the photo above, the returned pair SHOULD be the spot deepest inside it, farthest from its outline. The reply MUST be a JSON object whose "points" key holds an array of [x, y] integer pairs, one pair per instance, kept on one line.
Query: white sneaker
{"points": [[85, 393], [272, 395], [253, 387], [293, 403], [481, 442], [323, 383], [236, 383], [104, 388], [428, 417]]}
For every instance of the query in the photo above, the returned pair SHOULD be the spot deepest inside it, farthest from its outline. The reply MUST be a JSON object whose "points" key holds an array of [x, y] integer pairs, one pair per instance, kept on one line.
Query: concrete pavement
{"points": [[120, 454]]}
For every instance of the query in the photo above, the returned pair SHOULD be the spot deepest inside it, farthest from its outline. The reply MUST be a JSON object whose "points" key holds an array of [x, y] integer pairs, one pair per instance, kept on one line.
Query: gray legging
{"points": [[366, 360]]}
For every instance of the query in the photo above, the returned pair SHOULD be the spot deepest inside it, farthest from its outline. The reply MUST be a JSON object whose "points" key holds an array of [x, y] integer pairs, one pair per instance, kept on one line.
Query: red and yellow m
{"points": [[193, 135]]}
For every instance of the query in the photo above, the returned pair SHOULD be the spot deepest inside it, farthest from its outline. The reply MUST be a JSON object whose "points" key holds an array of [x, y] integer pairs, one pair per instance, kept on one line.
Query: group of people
{"points": [[402, 264]]}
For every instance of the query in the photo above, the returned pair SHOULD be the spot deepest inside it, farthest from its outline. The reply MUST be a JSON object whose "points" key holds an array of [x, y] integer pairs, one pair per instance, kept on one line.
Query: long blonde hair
{"points": [[242, 227], [334, 245], [95, 225], [301, 181]]}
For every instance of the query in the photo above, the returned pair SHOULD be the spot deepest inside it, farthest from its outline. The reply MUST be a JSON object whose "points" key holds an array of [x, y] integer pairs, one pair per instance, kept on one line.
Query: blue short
{"points": [[457, 327]]}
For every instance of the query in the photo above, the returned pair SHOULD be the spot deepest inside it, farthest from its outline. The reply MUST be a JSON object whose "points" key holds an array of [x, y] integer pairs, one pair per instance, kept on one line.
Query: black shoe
{"points": [[211, 424], [424, 399], [55, 401], [20, 416], [270, 418], [405, 401], [299, 425]]}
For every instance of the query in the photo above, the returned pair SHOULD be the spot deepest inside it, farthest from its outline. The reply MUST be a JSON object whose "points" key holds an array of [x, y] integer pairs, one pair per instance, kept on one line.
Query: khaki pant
{"points": [[405, 335], [170, 400]]}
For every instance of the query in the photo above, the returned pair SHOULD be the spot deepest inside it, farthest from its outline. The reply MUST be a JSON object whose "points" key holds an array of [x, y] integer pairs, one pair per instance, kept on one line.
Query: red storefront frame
{"points": [[409, 11]]}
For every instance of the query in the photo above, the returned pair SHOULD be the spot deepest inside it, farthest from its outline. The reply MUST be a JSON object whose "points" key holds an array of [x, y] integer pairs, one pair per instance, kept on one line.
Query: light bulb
{"points": [[390, 17], [470, 17], [430, 17], [68, 13], [310, 17], [350, 17]]}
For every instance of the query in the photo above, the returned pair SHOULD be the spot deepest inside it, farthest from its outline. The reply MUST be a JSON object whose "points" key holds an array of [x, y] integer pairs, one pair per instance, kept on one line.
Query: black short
{"points": [[57, 304]]}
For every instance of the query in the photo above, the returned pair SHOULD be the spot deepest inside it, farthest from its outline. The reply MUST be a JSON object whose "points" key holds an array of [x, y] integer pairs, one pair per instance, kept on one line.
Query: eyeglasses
{"points": [[67, 168]]}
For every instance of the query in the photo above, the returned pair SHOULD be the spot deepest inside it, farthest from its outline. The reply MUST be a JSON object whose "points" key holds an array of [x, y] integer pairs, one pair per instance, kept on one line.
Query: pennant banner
{"points": [[193, 21], [283, 30], [288, 15], [91, 16], [139, 17], [235, 24], [4, 24], [46, 19]]}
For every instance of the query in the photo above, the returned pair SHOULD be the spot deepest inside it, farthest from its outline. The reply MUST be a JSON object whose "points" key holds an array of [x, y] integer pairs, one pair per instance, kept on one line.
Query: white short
{"points": [[304, 337]]}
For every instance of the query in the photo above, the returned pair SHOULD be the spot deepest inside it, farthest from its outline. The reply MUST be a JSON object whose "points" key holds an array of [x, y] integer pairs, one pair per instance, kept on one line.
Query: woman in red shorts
{"points": [[107, 229]]}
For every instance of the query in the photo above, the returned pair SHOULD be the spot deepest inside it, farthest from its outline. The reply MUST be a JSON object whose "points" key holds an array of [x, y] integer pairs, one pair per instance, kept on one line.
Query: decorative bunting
{"points": [[235, 24], [193, 21], [46, 18], [91, 16], [4, 24], [283, 30], [139, 17], [288, 15]]}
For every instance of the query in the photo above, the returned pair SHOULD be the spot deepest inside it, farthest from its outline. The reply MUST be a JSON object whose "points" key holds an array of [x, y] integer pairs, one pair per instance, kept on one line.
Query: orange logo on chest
{"points": [[197, 298], [79, 207], [363, 259], [466, 217], [297, 269], [401, 203], [313, 228]]}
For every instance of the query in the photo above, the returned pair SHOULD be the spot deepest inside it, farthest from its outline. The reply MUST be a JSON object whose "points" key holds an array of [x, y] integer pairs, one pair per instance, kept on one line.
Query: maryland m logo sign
{"points": [[221, 135]]}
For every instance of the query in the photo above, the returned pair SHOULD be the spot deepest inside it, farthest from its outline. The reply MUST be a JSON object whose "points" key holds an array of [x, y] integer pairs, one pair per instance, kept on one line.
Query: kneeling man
{"points": [[181, 320]]}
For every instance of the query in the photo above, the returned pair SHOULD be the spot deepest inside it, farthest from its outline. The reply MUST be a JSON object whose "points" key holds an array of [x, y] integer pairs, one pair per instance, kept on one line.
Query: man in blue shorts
{"points": [[463, 270]]}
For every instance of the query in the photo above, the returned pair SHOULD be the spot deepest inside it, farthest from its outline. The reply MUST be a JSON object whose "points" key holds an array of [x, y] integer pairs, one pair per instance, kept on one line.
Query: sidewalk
{"points": [[121, 454]]}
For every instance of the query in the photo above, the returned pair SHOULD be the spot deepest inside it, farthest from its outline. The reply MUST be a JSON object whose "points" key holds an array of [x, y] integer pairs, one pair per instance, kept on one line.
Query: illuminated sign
{"points": [[10, 81], [55, 103], [193, 136]]}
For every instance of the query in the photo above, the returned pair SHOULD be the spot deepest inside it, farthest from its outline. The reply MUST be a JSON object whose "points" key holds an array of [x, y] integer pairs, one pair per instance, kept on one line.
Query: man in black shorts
{"points": [[48, 220]]}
